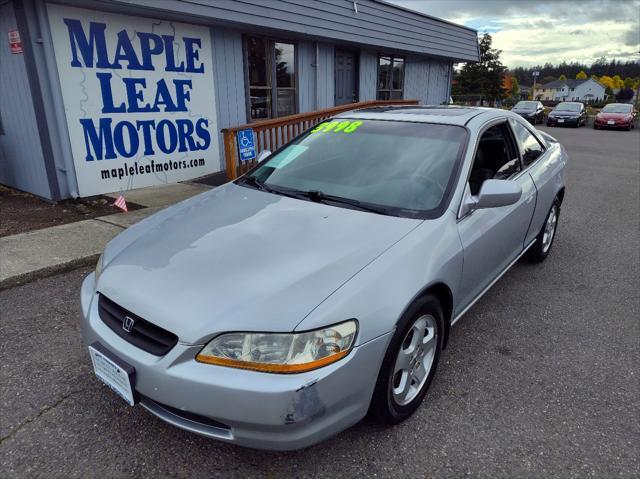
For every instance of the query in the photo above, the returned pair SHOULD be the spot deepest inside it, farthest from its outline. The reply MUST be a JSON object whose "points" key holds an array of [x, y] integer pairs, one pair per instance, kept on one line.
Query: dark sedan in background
{"points": [[532, 111], [568, 113], [615, 115]]}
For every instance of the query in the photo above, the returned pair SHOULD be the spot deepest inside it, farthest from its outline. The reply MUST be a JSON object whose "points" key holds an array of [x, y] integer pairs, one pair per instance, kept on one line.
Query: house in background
{"points": [[587, 91]]}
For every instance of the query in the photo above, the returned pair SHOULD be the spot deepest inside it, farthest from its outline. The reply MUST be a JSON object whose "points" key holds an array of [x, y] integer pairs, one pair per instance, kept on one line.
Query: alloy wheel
{"points": [[414, 360], [550, 229]]}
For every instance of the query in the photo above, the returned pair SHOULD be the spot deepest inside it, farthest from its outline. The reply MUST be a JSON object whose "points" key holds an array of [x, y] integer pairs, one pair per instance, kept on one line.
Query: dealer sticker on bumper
{"points": [[118, 377]]}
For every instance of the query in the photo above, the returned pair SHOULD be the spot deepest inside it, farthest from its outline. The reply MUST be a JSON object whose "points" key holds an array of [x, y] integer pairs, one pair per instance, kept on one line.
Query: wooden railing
{"points": [[271, 134]]}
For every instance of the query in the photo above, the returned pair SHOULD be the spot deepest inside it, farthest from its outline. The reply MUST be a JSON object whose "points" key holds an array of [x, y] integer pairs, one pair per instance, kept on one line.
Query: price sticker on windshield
{"points": [[335, 126]]}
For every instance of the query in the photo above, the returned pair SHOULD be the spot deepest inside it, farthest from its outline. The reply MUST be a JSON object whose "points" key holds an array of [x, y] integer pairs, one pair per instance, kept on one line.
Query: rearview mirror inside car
{"points": [[263, 155]]}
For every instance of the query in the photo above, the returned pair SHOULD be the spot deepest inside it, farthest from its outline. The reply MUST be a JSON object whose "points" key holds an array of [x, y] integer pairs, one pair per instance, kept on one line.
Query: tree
{"points": [[562, 77], [515, 87], [625, 94], [483, 78], [607, 81], [581, 75], [548, 79], [617, 82]]}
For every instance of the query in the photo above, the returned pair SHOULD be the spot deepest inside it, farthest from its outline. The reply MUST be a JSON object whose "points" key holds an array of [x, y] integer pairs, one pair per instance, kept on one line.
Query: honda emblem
{"points": [[128, 323]]}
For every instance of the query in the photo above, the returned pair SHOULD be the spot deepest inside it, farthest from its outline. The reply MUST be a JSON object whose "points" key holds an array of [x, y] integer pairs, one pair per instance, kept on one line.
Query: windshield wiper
{"points": [[259, 185], [320, 197]]}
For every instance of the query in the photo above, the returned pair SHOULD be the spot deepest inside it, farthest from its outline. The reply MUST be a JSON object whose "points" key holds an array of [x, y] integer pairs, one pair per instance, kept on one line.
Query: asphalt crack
{"points": [[41, 413]]}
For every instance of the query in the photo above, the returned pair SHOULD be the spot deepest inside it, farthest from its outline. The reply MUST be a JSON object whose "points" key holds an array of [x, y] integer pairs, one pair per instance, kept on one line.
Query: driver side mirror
{"points": [[493, 194], [263, 155]]}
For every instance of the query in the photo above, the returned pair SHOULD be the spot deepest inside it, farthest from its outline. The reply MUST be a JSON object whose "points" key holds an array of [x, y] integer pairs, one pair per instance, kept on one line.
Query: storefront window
{"points": [[271, 76], [390, 78]]}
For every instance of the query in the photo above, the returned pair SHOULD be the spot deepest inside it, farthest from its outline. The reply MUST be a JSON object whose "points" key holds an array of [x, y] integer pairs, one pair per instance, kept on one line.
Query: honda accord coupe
{"points": [[281, 308], [615, 115]]}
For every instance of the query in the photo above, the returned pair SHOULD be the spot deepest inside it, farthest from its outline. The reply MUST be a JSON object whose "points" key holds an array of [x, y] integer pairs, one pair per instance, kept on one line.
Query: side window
{"points": [[496, 157], [530, 147]]}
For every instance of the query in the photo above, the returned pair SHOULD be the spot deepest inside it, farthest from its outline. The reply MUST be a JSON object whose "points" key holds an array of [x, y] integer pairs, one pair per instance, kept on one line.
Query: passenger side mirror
{"points": [[495, 193], [263, 155]]}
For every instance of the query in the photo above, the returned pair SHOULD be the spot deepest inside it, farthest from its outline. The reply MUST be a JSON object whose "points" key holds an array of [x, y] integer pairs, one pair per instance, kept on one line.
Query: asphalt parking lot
{"points": [[540, 379]]}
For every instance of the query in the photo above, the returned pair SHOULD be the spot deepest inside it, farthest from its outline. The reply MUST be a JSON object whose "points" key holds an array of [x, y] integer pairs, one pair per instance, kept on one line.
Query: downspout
{"points": [[317, 76], [56, 95]]}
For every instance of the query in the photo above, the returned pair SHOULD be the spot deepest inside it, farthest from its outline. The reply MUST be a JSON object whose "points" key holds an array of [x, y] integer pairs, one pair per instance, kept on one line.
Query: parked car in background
{"points": [[615, 115], [571, 113], [532, 111], [280, 308]]}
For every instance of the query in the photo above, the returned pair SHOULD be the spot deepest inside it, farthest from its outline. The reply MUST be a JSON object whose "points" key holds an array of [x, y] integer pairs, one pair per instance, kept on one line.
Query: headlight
{"points": [[99, 267], [281, 352]]}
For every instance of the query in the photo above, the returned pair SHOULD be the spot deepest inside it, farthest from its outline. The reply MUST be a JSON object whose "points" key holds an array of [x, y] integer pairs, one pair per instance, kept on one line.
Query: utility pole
{"points": [[535, 74]]}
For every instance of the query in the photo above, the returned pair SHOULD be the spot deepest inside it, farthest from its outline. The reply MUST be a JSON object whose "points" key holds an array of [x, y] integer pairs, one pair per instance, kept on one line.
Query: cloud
{"points": [[535, 32]]}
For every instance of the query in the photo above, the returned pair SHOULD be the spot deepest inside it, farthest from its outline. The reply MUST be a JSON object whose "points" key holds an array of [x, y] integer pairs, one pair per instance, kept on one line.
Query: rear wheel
{"points": [[410, 362], [542, 247]]}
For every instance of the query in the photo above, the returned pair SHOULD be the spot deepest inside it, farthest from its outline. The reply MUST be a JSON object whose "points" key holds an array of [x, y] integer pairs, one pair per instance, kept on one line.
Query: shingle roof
{"points": [[571, 83]]}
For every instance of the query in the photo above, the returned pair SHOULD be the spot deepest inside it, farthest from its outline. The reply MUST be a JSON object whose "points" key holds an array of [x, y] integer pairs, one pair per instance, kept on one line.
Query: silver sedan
{"points": [[281, 308]]}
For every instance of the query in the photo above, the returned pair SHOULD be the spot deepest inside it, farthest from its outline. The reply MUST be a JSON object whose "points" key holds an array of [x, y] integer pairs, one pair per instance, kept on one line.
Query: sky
{"points": [[533, 32]]}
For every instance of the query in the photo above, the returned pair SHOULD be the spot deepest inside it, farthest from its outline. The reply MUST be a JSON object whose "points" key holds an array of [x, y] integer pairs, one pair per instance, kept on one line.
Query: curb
{"points": [[24, 278]]}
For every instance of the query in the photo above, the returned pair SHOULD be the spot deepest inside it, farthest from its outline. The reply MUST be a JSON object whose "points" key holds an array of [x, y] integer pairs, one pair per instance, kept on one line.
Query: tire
{"points": [[387, 404], [539, 251]]}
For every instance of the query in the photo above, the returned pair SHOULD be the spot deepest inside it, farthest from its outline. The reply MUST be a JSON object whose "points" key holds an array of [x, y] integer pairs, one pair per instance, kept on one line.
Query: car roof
{"points": [[443, 114]]}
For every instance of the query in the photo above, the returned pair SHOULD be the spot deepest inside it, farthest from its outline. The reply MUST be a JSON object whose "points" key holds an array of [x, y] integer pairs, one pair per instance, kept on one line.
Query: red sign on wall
{"points": [[15, 45]]}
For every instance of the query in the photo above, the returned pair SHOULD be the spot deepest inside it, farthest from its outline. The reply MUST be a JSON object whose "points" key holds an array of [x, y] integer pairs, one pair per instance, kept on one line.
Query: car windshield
{"points": [[389, 167], [617, 109], [568, 107], [525, 105]]}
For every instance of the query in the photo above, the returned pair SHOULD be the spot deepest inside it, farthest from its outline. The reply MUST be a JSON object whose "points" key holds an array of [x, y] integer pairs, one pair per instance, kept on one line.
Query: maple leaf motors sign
{"points": [[138, 96]]}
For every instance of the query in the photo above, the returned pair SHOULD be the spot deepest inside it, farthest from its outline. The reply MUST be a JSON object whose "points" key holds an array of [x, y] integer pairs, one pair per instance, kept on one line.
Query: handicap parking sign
{"points": [[246, 145]]}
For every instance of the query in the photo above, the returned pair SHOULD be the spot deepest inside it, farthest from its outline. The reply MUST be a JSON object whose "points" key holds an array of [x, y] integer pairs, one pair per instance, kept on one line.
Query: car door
{"points": [[493, 238]]}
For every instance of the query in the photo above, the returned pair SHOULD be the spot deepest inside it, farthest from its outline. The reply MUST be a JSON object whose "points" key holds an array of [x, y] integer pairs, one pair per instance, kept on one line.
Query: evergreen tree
{"points": [[485, 77]]}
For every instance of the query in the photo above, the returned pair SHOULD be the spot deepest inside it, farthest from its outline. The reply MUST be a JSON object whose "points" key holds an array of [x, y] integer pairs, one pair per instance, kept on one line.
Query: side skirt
{"points": [[475, 300]]}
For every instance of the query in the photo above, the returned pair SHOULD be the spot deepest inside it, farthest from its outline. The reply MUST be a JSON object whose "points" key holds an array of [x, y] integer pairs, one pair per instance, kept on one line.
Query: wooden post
{"points": [[231, 160]]}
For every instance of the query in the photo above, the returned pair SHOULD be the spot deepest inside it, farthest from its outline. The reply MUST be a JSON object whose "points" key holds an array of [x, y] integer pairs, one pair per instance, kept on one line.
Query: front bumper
{"points": [[567, 121], [616, 125], [254, 409]]}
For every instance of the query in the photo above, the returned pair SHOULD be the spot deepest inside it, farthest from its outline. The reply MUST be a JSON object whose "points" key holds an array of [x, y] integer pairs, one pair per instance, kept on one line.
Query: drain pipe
{"points": [[317, 76], [60, 127]]}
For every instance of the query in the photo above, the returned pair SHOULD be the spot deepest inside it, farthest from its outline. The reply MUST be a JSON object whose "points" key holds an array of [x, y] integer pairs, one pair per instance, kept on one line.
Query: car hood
{"points": [[523, 112], [241, 259]]}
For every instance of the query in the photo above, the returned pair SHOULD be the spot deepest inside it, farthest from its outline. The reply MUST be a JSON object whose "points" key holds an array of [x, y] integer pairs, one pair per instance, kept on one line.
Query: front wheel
{"points": [[542, 247], [410, 362]]}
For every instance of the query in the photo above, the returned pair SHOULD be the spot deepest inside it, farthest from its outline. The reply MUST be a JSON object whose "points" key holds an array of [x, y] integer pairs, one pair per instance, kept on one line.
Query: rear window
{"points": [[406, 167]]}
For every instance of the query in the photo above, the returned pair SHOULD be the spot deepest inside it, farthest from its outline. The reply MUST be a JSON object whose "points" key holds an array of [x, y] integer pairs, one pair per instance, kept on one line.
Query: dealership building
{"points": [[110, 95]]}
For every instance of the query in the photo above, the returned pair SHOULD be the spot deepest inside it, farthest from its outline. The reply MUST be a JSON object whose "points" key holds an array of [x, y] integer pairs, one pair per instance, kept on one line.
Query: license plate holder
{"points": [[114, 372], [611, 122], [560, 120]]}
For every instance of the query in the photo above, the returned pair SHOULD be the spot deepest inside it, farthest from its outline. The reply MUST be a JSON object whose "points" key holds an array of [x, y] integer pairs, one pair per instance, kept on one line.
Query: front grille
{"points": [[143, 334]]}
